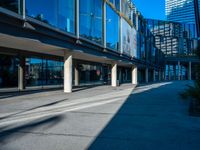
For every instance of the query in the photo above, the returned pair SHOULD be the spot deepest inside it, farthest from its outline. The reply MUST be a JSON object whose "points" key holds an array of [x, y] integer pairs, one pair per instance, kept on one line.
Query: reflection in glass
{"points": [[127, 38], [58, 13], [43, 72], [115, 3], [54, 72], [8, 71], [91, 20], [112, 29], [126, 9], [34, 76], [12, 5]]}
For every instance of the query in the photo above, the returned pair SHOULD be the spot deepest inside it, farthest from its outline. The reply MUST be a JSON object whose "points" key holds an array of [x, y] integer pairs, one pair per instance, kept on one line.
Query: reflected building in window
{"points": [[184, 11], [173, 38]]}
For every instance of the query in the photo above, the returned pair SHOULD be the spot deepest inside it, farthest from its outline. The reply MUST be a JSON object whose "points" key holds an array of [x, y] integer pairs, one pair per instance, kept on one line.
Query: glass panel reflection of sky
{"points": [[112, 28], [59, 13], [91, 20]]}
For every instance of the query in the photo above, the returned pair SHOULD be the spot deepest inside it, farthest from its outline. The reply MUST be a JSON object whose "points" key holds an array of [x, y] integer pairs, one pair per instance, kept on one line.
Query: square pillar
{"points": [[174, 70], [134, 75], [179, 71], [120, 75], [169, 73], [76, 76], [114, 75], [67, 73], [21, 73], [190, 71], [154, 75], [159, 75], [146, 75]]}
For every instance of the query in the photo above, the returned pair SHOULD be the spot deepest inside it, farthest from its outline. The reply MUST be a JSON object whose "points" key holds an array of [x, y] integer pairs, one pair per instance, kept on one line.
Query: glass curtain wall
{"points": [[40, 72], [8, 71], [93, 73], [58, 13], [13, 5], [112, 29], [91, 20], [173, 38], [115, 3]]}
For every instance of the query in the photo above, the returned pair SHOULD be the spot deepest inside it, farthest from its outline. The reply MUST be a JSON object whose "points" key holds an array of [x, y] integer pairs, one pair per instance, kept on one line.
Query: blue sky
{"points": [[154, 9]]}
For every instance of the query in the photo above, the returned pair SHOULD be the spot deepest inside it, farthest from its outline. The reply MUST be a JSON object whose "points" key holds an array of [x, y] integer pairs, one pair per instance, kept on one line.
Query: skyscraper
{"points": [[185, 11]]}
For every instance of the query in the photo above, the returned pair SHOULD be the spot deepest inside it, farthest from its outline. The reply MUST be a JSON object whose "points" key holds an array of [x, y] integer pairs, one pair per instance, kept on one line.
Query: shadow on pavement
{"points": [[42, 106], [136, 125], [8, 134]]}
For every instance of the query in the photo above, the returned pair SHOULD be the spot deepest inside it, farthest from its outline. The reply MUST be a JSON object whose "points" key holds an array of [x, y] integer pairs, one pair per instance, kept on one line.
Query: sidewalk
{"points": [[148, 117]]}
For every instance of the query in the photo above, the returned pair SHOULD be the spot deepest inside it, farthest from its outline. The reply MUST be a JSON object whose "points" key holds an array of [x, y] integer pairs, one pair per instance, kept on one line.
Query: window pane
{"points": [[34, 72], [54, 72], [8, 71], [129, 39], [91, 20], [126, 9], [115, 3], [112, 29], [12, 5], [66, 15], [58, 13]]}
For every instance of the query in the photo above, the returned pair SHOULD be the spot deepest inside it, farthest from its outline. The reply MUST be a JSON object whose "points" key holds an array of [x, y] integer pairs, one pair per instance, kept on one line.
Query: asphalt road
{"points": [[149, 117]]}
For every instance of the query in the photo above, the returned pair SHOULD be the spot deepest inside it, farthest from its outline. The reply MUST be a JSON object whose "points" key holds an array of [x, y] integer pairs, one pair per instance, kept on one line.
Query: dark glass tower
{"points": [[185, 11]]}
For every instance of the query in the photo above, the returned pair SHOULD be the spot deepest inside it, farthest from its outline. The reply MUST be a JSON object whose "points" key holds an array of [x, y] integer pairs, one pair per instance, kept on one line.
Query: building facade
{"points": [[75, 42], [178, 42], [185, 11]]}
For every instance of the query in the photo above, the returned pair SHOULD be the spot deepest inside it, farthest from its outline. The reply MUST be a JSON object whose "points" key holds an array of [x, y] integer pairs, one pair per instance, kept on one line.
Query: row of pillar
{"points": [[189, 71], [68, 74], [114, 75]]}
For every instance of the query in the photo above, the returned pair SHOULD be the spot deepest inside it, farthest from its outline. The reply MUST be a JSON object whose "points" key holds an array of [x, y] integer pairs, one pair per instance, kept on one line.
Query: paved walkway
{"points": [[151, 117]]}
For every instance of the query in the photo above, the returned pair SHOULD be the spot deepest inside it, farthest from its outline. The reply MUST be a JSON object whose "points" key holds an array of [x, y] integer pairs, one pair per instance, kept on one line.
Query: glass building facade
{"points": [[172, 38], [13, 5], [184, 11], [58, 13], [114, 25], [112, 29], [91, 20]]}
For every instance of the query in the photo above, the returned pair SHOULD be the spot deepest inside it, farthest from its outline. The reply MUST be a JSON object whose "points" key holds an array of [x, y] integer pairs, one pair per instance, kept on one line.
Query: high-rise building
{"points": [[185, 11]]}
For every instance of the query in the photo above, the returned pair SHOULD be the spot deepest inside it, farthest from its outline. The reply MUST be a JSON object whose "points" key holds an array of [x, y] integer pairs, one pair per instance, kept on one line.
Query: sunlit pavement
{"points": [[149, 117]]}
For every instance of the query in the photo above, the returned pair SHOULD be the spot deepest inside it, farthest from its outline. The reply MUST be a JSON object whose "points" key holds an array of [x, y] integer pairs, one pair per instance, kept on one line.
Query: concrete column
{"points": [[126, 72], [162, 75], [165, 73], [67, 73], [76, 76], [114, 75], [190, 71], [159, 75], [154, 75], [120, 75], [146, 75], [21, 73], [169, 73], [174, 70], [179, 71], [134, 75]]}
